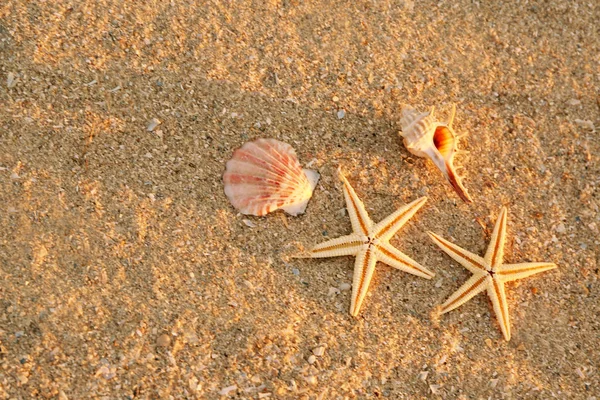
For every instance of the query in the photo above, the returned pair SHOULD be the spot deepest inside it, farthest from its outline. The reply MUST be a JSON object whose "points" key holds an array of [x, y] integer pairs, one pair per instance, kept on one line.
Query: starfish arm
{"points": [[498, 296], [495, 251], [512, 272], [475, 285], [361, 223], [348, 245], [364, 267], [470, 261], [393, 257], [385, 229]]}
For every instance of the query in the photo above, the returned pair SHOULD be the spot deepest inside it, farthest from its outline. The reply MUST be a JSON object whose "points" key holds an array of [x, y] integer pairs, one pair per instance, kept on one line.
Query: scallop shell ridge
{"points": [[265, 175]]}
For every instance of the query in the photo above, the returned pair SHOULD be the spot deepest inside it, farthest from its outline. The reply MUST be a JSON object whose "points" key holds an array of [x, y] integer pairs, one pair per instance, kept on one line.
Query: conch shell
{"points": [[426, 137]]}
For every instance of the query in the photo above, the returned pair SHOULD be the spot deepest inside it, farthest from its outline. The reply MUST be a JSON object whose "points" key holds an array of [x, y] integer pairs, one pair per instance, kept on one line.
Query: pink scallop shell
{"points": [[265, 175]]}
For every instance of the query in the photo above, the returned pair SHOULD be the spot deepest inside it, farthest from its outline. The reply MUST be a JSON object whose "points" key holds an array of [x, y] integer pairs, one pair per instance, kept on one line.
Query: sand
{"points": [[125, 273]]}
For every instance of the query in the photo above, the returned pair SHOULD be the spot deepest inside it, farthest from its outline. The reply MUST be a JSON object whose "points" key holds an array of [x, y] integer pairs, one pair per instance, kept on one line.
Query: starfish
{"points": [[369, 243], [489, 273]]}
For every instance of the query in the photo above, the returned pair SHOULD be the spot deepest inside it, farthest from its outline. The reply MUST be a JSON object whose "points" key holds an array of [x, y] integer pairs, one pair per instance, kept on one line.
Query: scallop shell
{"points": [[265, 175], [426, 137]]}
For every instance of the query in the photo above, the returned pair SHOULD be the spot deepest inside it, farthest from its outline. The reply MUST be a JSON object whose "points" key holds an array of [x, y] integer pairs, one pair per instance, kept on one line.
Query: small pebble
{"points": [[319, 351], [341, 114], [534, 290], [435, 389], [312, 359], [312, 380], [152, 124], [585, 124], [295, 271], [105, 372], [249, 223], [227, 390], [11, 80], [163, 340], [193, 384], [345, 286], [560, 228], [23, 379]]}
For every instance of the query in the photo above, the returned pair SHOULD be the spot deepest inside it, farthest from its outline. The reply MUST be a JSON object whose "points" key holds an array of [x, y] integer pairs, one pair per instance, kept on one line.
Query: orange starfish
{"points": [[489, 273], [369, 243]]}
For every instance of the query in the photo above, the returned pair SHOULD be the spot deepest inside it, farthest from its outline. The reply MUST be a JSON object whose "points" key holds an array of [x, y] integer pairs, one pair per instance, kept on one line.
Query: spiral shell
{"points": [[265, 175], [426, 137]]}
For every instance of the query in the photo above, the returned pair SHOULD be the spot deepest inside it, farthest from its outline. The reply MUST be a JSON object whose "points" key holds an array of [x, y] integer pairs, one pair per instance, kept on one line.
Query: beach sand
{"points": [[126, 274]]}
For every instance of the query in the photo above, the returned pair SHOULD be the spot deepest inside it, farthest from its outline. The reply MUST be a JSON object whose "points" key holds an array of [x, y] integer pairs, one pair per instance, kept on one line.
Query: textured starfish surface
{"points": [[489, 273], [369, 243]]}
